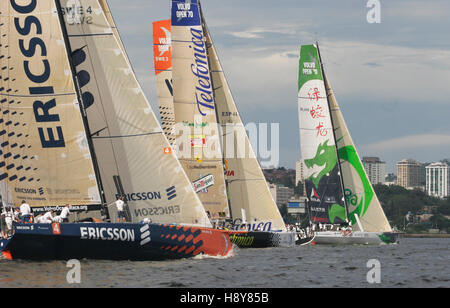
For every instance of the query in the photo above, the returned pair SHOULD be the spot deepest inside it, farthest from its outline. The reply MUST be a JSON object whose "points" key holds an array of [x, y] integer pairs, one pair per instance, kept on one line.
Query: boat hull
{"points": [[302, 241], [114, 242], [260, 239], [355, 238]]}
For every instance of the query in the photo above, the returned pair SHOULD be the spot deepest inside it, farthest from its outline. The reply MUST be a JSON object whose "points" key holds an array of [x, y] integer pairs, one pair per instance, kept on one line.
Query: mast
{"points": [[202, 19], [82, 108], [334, 134]]}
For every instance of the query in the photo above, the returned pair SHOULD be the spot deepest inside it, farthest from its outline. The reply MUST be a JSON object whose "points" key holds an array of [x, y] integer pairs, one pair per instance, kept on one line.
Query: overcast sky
{"points": [[392, 79]]}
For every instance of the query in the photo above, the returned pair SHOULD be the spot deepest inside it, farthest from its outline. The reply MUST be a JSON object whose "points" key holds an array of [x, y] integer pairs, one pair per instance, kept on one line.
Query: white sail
{"points": [[361, 197], [197, 131], [46, 160], [323, 182], [249, 195], [107, 11], [162, 58], [129, 143]]}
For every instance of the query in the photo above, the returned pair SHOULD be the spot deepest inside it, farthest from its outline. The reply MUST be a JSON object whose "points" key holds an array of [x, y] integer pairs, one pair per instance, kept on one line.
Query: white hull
{"points": [[286, 239], [354, 238]]}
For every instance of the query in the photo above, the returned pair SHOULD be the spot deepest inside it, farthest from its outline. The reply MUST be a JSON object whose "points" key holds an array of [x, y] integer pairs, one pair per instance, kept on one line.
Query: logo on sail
{"points": [[200, 69], [314, 195], [171, 193], [43, 111], [78, 58], [162, 43], [204, 183]]}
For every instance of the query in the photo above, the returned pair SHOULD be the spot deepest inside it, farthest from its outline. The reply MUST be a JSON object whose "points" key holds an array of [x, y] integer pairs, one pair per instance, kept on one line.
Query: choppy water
{"points": [[413, 263]]}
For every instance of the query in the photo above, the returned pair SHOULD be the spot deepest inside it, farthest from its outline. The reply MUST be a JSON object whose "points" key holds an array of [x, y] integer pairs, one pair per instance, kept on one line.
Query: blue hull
{"points": [[112, 242]]}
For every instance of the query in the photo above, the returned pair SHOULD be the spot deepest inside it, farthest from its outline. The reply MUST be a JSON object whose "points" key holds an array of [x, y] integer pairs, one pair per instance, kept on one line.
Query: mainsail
{"points": [[162, 51], [361, 201], [46, 160], [197, 131], [324, 187], [130, 145], [360, 195], [249, 195]]}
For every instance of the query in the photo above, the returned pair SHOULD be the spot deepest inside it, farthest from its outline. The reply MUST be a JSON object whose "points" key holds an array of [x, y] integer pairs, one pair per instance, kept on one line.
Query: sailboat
{"points": [[77, 129], [232, 187], [338, 189]]}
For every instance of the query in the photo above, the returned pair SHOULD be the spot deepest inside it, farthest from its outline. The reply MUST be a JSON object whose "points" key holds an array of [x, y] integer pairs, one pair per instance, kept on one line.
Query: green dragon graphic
{"points": [[349, 154], [325, 156]]}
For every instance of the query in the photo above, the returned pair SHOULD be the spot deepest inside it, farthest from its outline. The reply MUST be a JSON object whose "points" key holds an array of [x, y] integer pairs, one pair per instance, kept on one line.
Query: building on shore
{"points": [[437, 180], [375, 169], [391, 179], [300, 169], [281, 194], [300, 173], [410, 174]]}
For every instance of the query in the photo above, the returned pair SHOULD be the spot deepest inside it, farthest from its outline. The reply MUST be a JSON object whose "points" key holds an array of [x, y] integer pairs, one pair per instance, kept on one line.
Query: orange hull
{"points": [[209, 242]]}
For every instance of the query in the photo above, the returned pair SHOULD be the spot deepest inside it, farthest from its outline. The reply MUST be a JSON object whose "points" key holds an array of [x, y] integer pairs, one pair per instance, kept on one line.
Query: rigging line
{"points": [[36, 95], [184, 103], [99, 131], [309, 98], [181, 41], [309, 129], [90, 35], [245, 180], [129, 136]]}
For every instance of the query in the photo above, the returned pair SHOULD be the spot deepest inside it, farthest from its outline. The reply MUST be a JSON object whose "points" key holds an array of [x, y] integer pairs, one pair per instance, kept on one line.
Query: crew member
{"points": [[25, 210], [120, 210], [65, 214], [7, 219], [47, 218]]}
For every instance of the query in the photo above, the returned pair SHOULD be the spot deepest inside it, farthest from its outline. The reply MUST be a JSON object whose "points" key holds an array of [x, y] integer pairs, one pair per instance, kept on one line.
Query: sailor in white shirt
{"points": [[47, 218], [65, 213], [120, 210], [25, 210], [7, 217]]}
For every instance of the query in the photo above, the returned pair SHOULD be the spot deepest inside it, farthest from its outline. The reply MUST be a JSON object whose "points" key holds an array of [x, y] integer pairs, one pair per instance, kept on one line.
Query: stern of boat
{"points": [[389, 238]]}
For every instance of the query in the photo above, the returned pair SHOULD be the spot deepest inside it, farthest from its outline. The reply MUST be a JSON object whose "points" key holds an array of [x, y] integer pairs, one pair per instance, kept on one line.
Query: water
{"points": [[413, 263]]}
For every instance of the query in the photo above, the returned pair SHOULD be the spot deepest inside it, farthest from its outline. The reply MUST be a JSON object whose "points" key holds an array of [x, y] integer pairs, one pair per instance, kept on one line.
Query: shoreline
{"points": [[405, 235]]}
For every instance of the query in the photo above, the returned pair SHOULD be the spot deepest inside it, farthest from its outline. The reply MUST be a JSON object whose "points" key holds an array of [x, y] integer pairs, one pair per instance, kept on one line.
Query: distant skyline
{"points": [[391, 79]]}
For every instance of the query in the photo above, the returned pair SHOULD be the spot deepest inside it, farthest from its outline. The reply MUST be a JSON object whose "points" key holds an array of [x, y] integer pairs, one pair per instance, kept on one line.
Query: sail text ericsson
{"points": [[41, 109]]}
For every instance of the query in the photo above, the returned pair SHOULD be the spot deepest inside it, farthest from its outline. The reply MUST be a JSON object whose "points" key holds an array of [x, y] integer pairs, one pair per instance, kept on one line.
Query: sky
{"points": [[391, 79]]}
